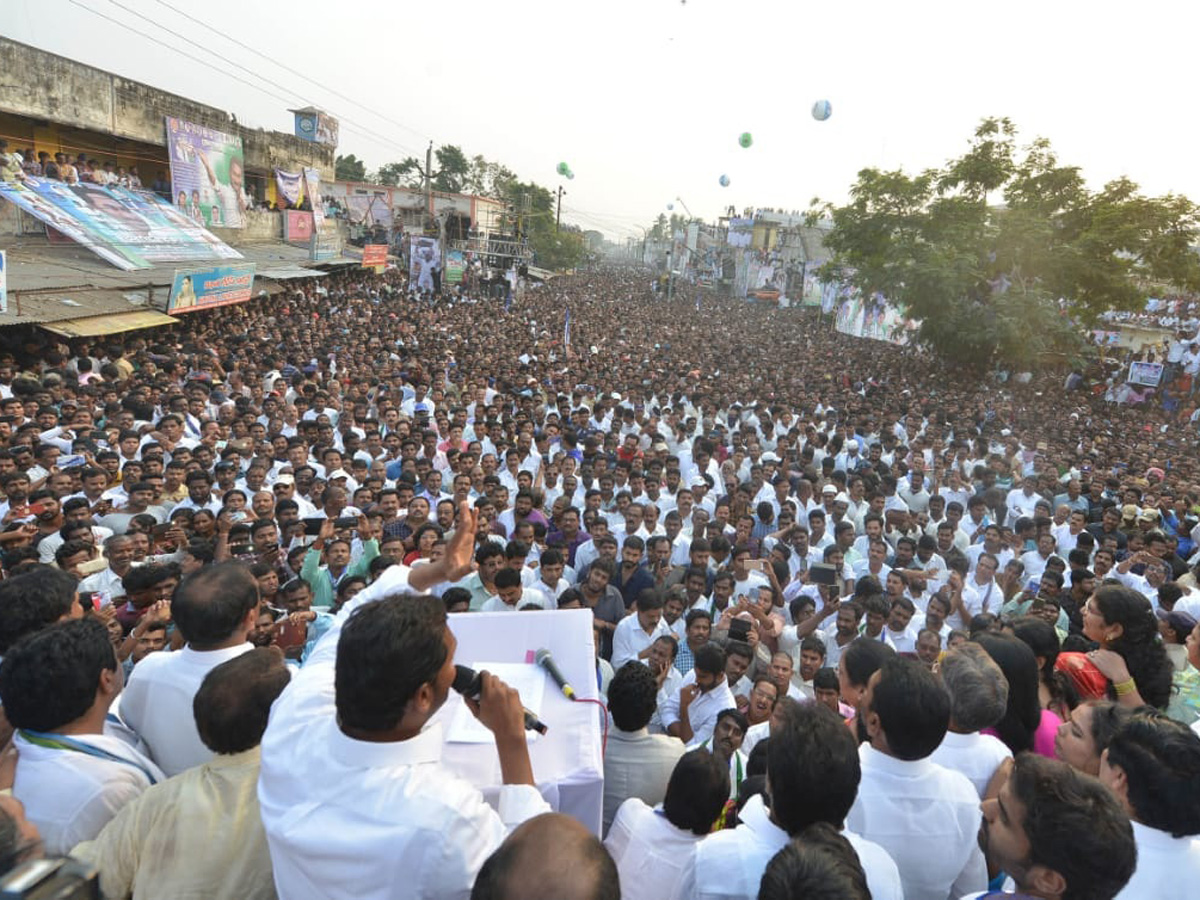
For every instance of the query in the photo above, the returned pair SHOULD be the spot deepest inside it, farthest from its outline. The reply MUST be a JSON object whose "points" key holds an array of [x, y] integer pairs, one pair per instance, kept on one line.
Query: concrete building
{"points": [[54, 104]]}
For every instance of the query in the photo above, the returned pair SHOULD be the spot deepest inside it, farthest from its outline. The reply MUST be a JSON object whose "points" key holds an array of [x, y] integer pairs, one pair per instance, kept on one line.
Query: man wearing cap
{"points": [[284, 488]]}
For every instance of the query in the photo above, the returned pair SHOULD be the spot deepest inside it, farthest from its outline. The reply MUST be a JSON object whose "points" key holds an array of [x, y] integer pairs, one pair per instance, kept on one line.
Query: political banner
{"points": [[3, 281], [207, 174], [455, 266], [741, 232], [375, 255], [1146, 374], [288, 188], [425, 257], [829, 297], [316, 126], [297, 226], [195, 289], [129, 229], [873, 317], [312, 190]]}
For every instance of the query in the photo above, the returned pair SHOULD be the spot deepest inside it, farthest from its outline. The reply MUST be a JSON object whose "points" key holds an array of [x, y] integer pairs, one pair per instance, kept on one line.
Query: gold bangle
{"points": [[1125, 687]]}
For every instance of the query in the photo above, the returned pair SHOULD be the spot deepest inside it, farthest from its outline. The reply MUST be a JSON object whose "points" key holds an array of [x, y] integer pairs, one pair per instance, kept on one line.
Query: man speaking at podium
{"points": [[355, 800]]}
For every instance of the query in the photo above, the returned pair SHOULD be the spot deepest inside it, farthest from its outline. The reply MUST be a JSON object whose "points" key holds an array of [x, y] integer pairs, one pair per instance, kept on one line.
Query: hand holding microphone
{"points": [[495, 704]]}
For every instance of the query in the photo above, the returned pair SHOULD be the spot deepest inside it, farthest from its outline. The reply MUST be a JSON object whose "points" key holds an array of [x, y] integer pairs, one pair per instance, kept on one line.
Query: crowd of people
{"points": [[63, 167], [865, 625]]}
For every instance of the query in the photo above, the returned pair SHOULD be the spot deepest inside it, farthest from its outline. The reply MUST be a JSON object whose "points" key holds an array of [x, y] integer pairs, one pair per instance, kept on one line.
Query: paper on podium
{"points": [[528, 680]]}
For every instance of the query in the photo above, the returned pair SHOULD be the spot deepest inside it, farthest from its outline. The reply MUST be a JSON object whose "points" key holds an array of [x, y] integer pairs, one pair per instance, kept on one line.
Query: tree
{"points": [[559, 250], [451, 175], [1004, 253], [452, 169], [349, 168], [392, 174], [487, 179], [661, 228]]}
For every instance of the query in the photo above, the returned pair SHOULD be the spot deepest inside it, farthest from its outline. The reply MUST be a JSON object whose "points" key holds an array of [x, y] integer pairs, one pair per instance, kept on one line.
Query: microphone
{"points": [[544, 659], [469, 683]]}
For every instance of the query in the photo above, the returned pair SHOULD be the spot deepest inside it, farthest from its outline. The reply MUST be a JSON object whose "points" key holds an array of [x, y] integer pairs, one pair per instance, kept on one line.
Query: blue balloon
{"points": [[724, 179]]}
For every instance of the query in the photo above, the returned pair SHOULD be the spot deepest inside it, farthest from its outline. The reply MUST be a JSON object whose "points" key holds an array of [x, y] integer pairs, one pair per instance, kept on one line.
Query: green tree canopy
{"points": [[349, 168], [1004, 252]]}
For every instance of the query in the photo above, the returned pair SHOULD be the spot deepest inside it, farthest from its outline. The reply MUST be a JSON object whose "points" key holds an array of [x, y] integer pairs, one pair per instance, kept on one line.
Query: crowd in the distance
{"points": [[866, 625]]}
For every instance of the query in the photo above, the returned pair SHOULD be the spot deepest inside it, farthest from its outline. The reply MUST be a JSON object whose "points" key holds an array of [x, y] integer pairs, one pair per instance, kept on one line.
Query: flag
{"points": [[697, 301], [508, 299], [567, 330]]}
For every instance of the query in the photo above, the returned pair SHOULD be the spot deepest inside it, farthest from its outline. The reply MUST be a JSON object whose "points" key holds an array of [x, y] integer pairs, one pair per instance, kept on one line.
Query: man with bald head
{"points": [[521, 869]]}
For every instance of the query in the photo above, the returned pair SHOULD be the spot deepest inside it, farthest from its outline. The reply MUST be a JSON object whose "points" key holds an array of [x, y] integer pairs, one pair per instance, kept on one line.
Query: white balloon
{"points": [[670, 206], [724, 179], [822, 110]]}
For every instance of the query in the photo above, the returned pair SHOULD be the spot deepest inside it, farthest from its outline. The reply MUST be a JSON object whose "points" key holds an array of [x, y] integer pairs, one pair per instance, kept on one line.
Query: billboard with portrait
{"points": [[130, 229], [425, 257], [1146, 374], [194, 289], [873, 317], [207, 174]]}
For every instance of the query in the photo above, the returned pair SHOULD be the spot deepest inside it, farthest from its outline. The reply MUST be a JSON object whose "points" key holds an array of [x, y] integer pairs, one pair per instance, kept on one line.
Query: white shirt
{"points": [[630, 639], [754, 734], [703, 711], [1035, 564], [70, 794], [651, 854], [157, 704], [975, 755], [356, 820], [927, 818], [105, 582], [978, 598], [1168, 868], [51, 542], [730, 863]]}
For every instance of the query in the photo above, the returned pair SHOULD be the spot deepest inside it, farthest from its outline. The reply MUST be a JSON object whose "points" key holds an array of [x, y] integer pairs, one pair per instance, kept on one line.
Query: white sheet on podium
{"points": [[567, 761], [529, 681]]}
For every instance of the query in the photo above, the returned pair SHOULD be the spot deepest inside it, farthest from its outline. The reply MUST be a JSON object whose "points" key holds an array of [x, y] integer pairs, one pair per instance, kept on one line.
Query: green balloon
{"points": [[745, 140], [563, 168]]}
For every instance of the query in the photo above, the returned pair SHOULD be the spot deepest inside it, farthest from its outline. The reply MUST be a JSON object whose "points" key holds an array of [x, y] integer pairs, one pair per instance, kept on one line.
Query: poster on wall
{"points": [[207, 174], [425, 258], [129, 229], [194, 289], [297, 226]]}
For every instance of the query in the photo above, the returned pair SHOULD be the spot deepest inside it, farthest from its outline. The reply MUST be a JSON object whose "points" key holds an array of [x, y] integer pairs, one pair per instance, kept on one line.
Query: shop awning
{"points": [[112, 323], [282, 273]]}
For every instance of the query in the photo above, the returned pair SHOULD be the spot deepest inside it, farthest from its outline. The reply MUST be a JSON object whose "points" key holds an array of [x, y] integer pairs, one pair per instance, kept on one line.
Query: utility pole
{"points": [[558, 214]]}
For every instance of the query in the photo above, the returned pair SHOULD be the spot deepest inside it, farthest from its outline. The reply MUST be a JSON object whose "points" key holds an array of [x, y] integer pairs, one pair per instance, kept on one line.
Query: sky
{"points": [[645, 99]]}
